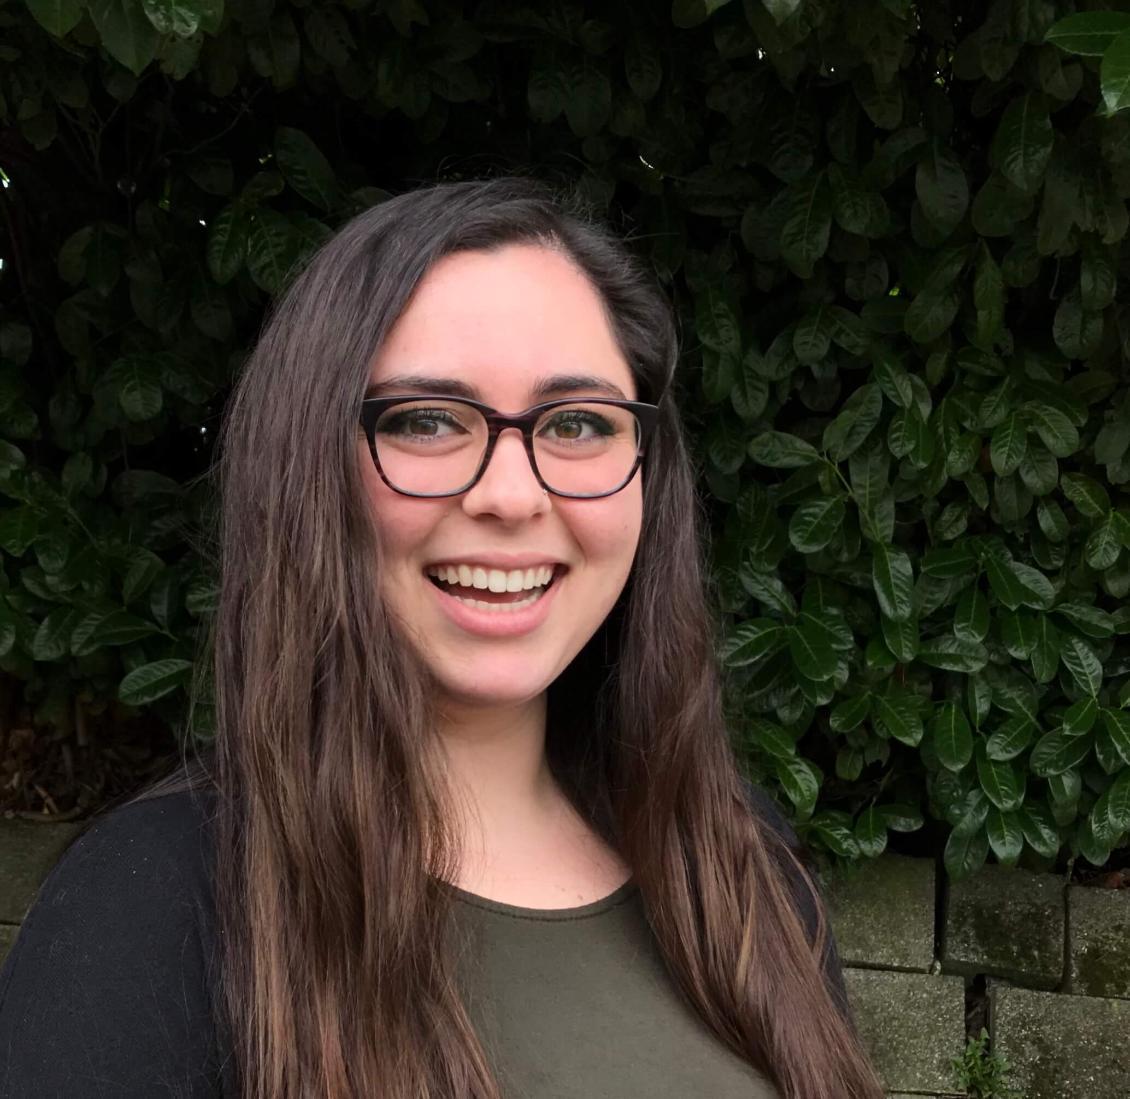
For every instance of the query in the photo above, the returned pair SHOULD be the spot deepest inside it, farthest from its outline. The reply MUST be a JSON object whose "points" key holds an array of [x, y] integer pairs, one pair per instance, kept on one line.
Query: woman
{"points": [[472, 825]]}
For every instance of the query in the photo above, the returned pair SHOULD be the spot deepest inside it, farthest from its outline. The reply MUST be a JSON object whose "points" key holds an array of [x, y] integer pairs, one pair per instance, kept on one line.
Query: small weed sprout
{"points": [[982, 1074]]}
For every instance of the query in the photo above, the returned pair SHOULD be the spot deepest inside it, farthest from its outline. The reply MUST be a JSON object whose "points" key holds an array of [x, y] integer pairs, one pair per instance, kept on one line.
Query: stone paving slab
{"points": [[1006, 922], [912, 1024], [1098, 941], [28, 851], [1062, 1047], [882, 912]]}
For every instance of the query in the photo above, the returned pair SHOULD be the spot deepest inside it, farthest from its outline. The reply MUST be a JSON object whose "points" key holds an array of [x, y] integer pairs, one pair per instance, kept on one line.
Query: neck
{"points": [[498, 773]]}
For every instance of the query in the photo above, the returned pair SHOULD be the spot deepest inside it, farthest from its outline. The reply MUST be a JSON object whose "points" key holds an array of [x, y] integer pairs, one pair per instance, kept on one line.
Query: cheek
{"points": [[609, 531], [401, 523]]}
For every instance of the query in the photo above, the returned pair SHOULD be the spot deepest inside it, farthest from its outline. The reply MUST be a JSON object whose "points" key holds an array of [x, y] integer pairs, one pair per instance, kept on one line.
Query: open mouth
{"points": [[451, 580]]}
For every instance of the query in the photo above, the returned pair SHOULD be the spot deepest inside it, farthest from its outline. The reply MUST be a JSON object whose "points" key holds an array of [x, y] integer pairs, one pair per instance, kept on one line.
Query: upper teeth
{"points": [[471, 576]]}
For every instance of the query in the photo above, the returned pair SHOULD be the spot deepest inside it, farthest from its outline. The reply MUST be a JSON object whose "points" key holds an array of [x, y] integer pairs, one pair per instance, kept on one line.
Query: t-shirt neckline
{"points": [[578, 912]]}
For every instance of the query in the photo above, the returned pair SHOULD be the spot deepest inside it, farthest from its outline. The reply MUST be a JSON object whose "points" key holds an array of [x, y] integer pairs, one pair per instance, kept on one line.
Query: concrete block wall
{"points": [[1043, 964]]}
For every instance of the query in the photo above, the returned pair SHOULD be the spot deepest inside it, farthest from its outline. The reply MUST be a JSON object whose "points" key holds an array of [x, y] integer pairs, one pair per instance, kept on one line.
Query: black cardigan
{"points": [[107, 992]]}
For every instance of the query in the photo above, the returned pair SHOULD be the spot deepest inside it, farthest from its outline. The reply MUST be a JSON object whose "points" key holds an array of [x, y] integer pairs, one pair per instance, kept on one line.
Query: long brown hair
{"points": [[331, 827]]}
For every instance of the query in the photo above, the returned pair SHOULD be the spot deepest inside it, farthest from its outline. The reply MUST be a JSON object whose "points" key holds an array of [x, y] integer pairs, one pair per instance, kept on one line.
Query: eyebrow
{"points": [[544, 388]]}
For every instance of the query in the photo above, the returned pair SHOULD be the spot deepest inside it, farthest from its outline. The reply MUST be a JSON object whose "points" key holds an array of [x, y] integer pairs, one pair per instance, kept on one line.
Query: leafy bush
{"points": [[894, 232]]}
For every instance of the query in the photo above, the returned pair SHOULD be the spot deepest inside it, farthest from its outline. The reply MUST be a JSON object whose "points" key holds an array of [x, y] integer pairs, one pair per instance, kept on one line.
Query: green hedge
{"points": [[893, 230]]}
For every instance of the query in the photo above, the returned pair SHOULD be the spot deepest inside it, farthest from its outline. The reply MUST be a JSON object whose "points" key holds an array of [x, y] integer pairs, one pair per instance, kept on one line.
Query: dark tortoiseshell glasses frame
{"points": [[646, 415]]}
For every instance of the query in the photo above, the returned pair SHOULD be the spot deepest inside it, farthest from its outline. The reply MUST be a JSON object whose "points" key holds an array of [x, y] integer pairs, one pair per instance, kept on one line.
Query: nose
{"points": [[508, 487]]}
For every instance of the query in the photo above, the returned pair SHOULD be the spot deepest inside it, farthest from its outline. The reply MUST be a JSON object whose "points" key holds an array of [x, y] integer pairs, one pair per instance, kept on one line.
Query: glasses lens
{"points": [[430, 446], [586, 449], [436, 446]]}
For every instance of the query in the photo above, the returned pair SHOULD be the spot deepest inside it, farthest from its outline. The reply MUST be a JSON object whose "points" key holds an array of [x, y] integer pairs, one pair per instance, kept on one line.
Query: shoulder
{"points": [[110, 978], [148, 855]]}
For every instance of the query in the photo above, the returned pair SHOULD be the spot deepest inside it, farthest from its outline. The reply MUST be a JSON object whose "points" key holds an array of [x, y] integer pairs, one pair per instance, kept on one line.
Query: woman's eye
{"points": [[572, 426], [420, 423]]}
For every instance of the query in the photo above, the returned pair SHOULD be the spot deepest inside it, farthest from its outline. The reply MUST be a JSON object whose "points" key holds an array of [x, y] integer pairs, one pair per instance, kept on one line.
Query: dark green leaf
{"points": [[901, 638], [1105, 543], [971, 619], [1057, 752], [1115, 74], [893, 580], [1011, 738], [782, 451], [152, 681], [1089, 33], [931, 313], [953, 738], [270, 255], [1006, 837], [848, 431], [1009, 445], [847, 330], [1045, 653], [305, 167], [1039, 470], [941, 186], [800, 781], [804, 233], [816, 523], [1086, 494], [1077, 331], [1085, 667], [19, 527], [813, 336], [950, 562], [752, 641], [836, 833], [126, 33], [896, 715], [52, 638], [1117, 725], [850, 714], [1080, 716], [988, 297], [1039, 829], [176, 17], [765, 736], [871, 833], [965, 852], [1052, 520], [103, 628], [767, 588], [1023, 142], [57, 17], [1004, 582], [227, 244], [811, 649], [1090, 621], [953, 654], [1019, 633]]}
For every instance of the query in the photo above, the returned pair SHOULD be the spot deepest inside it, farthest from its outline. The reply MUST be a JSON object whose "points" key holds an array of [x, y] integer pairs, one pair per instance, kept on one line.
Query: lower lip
{"points": [[496, 623]]}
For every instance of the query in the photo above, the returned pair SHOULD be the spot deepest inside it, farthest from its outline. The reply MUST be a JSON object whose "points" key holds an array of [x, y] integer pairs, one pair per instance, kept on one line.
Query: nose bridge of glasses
{"points": [[512, 434]]}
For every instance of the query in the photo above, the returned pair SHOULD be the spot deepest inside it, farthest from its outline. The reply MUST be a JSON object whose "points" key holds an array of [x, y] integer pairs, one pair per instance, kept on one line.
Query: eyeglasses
{"points": [[429, 445]]}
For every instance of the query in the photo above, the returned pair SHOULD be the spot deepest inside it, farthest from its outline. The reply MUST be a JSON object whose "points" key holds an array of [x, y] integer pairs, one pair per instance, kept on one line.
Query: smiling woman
{"points": [[472, 825]]}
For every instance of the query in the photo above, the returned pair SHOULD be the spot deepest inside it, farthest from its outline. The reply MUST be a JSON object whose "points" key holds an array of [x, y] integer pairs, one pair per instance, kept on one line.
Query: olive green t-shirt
{"points": [[575, 1003]]}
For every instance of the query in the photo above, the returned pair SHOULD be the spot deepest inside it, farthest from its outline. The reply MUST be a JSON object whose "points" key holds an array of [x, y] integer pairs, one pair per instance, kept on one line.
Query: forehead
{"points": [[503, 321]]}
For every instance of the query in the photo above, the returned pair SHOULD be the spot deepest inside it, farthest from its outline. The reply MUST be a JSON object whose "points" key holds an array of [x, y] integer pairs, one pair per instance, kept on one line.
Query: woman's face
{"points": [[502, 322]]}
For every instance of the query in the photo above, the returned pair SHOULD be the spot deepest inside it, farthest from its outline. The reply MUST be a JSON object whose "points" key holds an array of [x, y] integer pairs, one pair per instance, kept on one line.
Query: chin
{"points": [[494, 685]]}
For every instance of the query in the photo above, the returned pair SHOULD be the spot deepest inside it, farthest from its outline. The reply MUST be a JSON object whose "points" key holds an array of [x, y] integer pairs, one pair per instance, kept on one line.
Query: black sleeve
{"points": [[105, 994], [767, 810]]}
